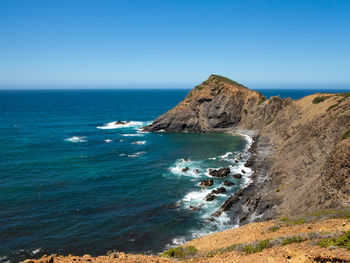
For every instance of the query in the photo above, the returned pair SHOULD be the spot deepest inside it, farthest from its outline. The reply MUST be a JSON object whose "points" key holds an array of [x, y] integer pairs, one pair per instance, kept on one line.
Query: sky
{"points": [[175, 43]]}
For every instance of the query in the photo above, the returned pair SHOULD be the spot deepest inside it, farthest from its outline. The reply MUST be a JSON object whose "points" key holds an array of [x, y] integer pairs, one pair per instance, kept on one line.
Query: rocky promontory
{"points": [[301, 151]]}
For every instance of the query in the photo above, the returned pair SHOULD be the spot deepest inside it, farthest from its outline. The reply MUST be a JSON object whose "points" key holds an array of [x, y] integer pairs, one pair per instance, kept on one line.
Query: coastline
{"points": [[246, 154]]}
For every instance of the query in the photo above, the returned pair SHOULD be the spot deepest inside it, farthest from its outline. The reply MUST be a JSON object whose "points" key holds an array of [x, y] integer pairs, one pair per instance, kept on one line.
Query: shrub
{"points": [[269, 122], [274, 228], [333, 106], [319, 99], [346, 135], [262, 99], [227, 80], [245, 111], [213, 93], [260, 246], [294, 239], [180, 252], [343, 241]]}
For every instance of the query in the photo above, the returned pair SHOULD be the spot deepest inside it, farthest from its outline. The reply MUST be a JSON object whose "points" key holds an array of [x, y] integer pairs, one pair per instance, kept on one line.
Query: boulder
{"points": [[243, 171], [228, 183], [231, 201], [186, 159], [195, 208], [237, 176], [196, 171], [122, 122], [210, 197], [184, 170], [208, 182], [222, 172], [219, 190]]}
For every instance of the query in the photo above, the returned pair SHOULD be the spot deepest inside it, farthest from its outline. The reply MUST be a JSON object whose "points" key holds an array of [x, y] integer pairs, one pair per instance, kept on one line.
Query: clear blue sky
{"points": [[180, 42]]}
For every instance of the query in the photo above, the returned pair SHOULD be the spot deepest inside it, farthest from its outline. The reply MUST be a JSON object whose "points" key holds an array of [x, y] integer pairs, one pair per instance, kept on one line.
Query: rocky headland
{"points": [[301, 150], [300, 157]]}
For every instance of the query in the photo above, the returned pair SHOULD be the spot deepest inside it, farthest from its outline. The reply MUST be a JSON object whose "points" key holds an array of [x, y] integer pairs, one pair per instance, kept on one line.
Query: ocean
{"points": [[72, 181]]}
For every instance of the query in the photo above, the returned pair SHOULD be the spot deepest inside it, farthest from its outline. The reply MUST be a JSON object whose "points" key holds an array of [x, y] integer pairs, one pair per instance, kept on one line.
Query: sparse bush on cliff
{"points": [[245, 111], [258, 247], [227, 80], [293, 239], [319, 99], [346, 135], [333, 106], [262, 99], [342, 241], [180, 252]]}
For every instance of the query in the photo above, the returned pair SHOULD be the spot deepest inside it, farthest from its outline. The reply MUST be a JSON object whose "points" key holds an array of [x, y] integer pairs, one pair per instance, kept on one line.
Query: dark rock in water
{"points": [[208, 182], [196, 171], [231, 201], [243, 171], [210, 197], [219, 190], [250, 161], [210, 170], [237, 176], [195, 208], [240, 158], [236, 161], [216, 213], [184, 170], [211, 219], [186, 159], [222, 172], [228, 183], [122, 122]]}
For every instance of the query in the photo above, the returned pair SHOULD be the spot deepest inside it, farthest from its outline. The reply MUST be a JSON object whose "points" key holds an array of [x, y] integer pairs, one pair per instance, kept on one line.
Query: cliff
{"points": [[301, 154]]}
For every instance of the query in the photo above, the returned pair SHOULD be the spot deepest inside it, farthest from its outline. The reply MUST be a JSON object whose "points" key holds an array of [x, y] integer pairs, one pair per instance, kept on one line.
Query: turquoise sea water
{"points": [[71, 181]]}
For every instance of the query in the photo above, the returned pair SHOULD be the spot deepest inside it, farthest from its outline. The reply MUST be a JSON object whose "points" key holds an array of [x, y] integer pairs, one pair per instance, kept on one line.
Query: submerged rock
{"points": [[222, 172], [231, 201], [228, 183], [122, 122], [219, 190], [237, 176], [186, 169], [210, 197], [194, 208], [208, 182]]}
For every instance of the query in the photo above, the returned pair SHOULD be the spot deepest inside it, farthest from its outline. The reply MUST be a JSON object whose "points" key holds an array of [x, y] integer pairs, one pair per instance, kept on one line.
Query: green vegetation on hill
{"points": [[214, 77], [180, 252], [319, 99]]}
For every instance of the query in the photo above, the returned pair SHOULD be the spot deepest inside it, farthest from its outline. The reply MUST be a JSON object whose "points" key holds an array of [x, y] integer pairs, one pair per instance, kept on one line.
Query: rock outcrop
{"points": [[301, 152]]}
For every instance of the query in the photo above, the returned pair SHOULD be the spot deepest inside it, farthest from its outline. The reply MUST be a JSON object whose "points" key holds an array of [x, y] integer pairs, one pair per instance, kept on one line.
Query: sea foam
{"points": [[76, 139], [114, 125], [139, 142]]}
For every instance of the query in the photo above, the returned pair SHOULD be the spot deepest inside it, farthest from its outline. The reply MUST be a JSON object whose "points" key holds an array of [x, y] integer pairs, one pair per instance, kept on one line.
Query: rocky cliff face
{"points": [[302, 147], [216, 103]]}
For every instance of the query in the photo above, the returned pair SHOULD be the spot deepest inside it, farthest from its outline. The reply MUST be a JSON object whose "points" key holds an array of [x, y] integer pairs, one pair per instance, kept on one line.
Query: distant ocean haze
{"points": [[72, 180]]}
